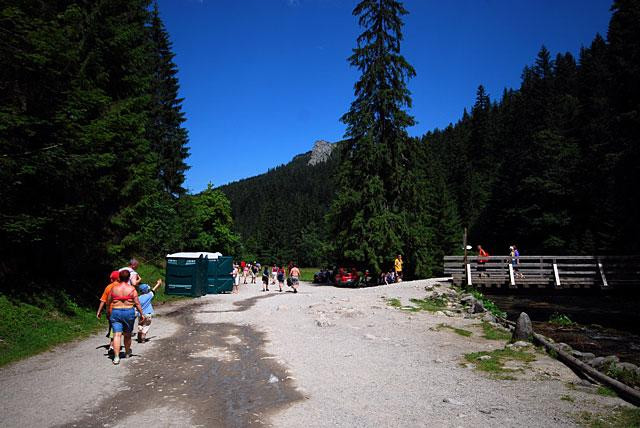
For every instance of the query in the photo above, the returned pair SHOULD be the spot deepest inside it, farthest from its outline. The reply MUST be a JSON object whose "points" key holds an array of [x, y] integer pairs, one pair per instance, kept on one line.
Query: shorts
{"points": [[143, 327], [122, 320], [236, 280], [295, 280], [265, 280], [280, 278]]}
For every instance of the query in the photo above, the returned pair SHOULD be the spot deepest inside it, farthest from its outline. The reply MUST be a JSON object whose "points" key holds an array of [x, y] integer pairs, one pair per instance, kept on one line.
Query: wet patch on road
{"points": [[216, 374], [242, 305]]}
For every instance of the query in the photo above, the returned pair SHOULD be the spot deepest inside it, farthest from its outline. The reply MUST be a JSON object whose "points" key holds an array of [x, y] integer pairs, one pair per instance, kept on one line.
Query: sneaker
{"points": [[129, 353], [295, 290], [110, 352], [116, 360]]}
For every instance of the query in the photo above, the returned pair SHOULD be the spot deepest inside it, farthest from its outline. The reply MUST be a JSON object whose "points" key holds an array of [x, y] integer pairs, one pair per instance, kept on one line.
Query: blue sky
{"points": [[263, 79]]}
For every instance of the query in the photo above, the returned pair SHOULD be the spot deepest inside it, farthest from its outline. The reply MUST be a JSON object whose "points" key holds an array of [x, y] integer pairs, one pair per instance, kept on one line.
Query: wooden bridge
{"points": [[559, 272]]}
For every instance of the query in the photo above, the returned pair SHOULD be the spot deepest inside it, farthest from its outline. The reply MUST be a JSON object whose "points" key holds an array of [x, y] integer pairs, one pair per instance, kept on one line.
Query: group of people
{"points": [[394, 275], [271, 275], [514, 255], [126, 299]]}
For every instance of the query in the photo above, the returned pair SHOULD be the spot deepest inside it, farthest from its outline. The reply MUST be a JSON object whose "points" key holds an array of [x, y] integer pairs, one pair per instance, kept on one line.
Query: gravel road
{"points": [[323, 357]]}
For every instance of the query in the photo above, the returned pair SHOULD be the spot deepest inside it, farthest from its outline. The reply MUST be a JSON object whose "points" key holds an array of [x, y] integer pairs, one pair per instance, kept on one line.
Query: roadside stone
{"points": [[369, 337], [584, 356], [597, 362], [478, 307], [449, 313], [484, 357], [323, 322], [524, 329], [428, 287], [468, 299], [611, 359], [564, 347], [627, 366], [488, 317], [452, 401], [521, 344]]}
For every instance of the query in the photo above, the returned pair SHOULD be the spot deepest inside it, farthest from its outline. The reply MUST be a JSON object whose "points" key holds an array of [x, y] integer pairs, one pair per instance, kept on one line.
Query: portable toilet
{"points": [[187, 273], [219, 279]]}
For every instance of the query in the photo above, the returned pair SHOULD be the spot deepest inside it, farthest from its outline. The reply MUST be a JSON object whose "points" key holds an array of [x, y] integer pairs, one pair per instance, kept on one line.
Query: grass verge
{"points": [[306, 274], [459, 331], [492, 333], [494, 365], [619, 417], [27, 329]]}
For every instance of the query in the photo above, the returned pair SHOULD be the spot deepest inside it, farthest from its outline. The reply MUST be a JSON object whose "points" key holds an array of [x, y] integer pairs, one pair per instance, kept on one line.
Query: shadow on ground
{"points": [[218, 374]]}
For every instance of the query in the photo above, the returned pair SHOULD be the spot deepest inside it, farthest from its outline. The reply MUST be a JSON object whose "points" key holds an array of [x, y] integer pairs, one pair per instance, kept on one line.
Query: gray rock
{"points": [[369, 337], [478, 307], [564, 347], [524, 329], [452, 401], [488, 317], [611, 359], [596, 362], [428, 287], [584, 356], [323, 322], [521, 344], [320, 152], [468, 299], [627, 366], [449, 313], [484, 357]]}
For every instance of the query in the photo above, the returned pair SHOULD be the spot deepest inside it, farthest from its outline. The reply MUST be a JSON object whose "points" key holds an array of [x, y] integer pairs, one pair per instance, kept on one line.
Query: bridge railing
{"points": [[545, 271]]}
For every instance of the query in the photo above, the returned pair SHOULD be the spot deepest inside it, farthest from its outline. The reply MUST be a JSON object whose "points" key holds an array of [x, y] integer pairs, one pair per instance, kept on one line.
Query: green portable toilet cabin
{"points": [[186, 273], [219, 279]]}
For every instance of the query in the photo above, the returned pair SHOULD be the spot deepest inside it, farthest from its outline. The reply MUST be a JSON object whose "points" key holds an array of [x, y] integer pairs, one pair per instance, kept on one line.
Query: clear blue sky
{"points": [[263, 79]]}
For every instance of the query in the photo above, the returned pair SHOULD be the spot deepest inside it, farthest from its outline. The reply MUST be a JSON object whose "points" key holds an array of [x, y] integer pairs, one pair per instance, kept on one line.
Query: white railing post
{"points": [[602, 275], [556, 274], [511, 276], [468, 274]]}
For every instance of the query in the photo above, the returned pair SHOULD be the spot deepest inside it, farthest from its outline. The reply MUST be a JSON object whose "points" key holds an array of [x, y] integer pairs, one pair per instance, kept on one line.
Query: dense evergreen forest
{"points": [[550, 166], [92, 148], [280, 214]]}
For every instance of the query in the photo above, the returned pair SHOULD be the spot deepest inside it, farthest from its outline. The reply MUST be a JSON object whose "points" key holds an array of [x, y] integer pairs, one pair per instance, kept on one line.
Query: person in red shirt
{"points": [[482, 259]]}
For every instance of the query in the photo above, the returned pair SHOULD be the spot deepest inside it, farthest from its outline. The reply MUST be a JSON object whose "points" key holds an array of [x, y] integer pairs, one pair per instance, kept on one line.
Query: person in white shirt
{"points": [[134, 277]]}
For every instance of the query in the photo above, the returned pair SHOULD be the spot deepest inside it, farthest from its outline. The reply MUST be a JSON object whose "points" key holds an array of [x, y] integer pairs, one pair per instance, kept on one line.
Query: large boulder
{"points": [[524, 329]]}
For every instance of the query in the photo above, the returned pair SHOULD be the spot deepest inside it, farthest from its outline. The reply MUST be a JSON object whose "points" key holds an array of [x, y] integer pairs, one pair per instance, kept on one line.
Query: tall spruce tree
{"points": [[367, 216], [167, 136]]}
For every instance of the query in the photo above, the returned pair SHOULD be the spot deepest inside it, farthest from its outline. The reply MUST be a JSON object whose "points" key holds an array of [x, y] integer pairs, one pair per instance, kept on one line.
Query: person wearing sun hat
{"points": [[103, 301], [145, 297]]}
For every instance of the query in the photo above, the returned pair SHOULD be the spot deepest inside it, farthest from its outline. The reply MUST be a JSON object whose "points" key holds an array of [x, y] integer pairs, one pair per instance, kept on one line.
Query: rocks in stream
{"points": [[524, 328]]}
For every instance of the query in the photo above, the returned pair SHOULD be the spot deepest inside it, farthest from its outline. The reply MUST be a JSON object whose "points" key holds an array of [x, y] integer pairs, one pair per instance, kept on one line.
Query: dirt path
{"points": [[322, 357]]}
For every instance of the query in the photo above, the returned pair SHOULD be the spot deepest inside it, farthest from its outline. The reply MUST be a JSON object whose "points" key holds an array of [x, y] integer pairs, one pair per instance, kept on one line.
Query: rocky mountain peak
{"points": [[321, 151]]}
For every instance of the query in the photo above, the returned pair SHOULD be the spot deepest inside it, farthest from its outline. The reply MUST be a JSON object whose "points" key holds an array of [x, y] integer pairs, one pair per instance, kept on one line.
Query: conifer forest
{"points": [[94, 152]]}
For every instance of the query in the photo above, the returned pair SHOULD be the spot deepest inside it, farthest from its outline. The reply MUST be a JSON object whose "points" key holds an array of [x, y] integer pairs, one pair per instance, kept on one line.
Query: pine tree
{"points": [[167, 136], [367, 219]]}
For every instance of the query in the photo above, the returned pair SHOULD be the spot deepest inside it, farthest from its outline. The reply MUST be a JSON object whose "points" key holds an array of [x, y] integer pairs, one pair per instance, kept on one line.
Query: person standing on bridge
{"points": [[482, 259]]}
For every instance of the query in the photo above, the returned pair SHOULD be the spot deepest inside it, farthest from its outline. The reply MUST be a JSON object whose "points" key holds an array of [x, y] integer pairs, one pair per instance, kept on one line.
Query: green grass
{"points": [[27, 329], [604, 391], [488, 304], [430, 304], [628, 377], [560, 319], [568, 398], [620, 417], [492, 333], [395, 302], [495, 364], [459, 331], [306, 273]]}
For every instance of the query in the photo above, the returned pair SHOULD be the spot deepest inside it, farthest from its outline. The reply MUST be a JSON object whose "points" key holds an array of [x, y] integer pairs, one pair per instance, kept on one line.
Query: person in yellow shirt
{"points": [[397, 265]]}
